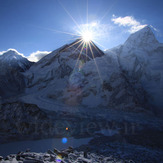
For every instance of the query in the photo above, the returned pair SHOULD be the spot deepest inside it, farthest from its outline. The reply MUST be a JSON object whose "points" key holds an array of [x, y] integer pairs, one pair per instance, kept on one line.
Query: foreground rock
{"points": [[65, 156], [133, 148], [102, 149]]}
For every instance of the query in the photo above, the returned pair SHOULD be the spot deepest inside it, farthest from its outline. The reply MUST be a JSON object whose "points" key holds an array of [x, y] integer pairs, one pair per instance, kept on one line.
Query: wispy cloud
{"points": [[128, 21], [36, 56]]}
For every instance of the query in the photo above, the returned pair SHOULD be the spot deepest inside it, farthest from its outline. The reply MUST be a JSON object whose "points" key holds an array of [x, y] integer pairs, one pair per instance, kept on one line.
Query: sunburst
{"points": [[87, 32], [87, 36]]}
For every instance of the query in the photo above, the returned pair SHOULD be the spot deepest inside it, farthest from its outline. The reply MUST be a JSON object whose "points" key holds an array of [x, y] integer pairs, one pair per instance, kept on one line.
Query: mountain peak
{"points": [[12, 52], [142, 38], [12, 58], [88, 49], [147, 28]]}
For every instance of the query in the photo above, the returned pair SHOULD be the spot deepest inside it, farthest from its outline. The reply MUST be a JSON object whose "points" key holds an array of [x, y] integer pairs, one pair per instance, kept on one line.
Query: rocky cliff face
{"points": [[21, 121]]}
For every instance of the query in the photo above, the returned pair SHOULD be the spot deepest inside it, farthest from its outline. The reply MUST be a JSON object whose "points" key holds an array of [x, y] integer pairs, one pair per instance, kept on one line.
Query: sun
{"points": [[87, 36]]}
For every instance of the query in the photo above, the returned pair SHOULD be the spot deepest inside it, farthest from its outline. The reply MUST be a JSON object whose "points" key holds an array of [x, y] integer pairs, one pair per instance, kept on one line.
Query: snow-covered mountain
{"points": [[13, 59], [126, 77], [141, 58], [66, 76], [11, 78]]}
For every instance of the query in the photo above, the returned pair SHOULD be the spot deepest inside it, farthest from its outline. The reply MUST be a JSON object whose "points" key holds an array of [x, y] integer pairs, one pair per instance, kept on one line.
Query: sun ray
{"points": [[108, 10], [74, 43], [79, 55], [76, 49], [103, 59], [95, 63], [87, 11], [69, 14], [78, 46], [99, 44], [71, 39], [68, 41], [73, 34], [57, 31], [86, 51], [94, 46], [99, 52]]}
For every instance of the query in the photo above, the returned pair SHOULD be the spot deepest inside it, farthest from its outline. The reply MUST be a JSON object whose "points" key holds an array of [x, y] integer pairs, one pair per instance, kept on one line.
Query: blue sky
{"points": [[41, 25]]}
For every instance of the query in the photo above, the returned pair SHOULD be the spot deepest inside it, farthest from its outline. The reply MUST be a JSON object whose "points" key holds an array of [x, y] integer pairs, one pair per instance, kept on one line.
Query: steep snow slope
{"points": [[72, 81], [141, 58], [11, 79]]}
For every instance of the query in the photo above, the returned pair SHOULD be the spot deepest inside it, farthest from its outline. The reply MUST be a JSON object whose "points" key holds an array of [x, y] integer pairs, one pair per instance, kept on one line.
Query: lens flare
{"points": [[64, 140], [58, 158]]}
